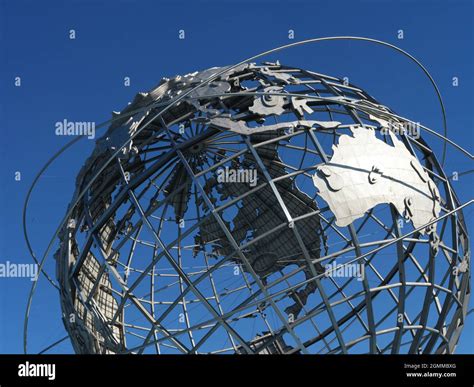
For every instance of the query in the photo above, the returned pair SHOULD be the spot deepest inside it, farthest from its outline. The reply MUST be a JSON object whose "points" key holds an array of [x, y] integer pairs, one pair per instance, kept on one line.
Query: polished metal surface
{"points": [[168, 253]]}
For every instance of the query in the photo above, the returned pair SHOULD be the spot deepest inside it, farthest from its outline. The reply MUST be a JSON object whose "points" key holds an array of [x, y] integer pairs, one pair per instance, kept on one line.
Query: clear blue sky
{"points": [[82, 80]]}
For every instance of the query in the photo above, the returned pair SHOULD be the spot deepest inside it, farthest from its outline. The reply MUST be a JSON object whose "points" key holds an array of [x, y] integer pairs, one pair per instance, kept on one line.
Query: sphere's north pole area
{"points": [[272, 210]]}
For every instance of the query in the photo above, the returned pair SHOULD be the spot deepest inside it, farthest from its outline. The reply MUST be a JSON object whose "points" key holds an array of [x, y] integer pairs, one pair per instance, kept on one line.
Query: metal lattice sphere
{"points": [[269, 210]]}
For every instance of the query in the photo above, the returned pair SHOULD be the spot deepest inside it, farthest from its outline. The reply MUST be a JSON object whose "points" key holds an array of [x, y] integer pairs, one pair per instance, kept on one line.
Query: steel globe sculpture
{"points": [[273, 210]]}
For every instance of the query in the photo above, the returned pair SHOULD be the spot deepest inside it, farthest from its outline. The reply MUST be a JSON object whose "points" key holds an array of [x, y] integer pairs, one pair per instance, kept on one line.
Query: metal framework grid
{"points": [[160, 257]]}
